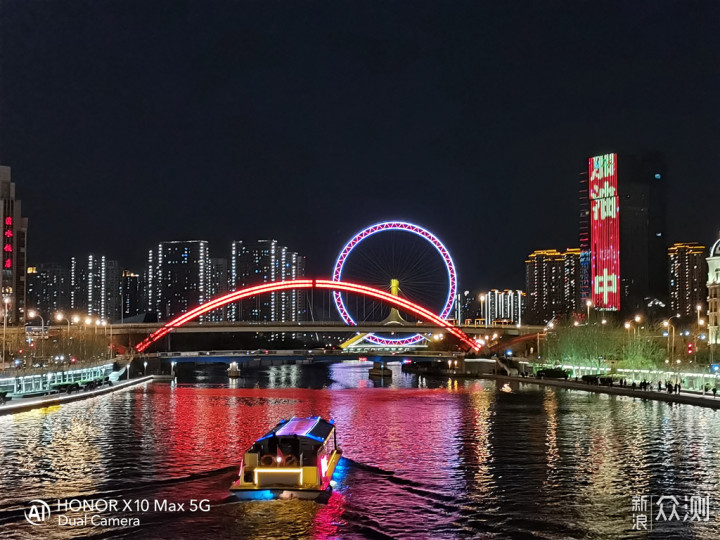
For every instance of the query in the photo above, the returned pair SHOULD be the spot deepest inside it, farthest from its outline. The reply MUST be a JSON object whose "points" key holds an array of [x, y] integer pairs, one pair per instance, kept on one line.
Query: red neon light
{"points": [[8, 220], [8, 234], [8, 263], [604, 232], [306, 284], [7, 248]]}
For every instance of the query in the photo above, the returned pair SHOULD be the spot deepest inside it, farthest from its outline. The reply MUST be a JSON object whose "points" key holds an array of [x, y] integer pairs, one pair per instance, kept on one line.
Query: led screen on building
{"points": [[604, 232]]}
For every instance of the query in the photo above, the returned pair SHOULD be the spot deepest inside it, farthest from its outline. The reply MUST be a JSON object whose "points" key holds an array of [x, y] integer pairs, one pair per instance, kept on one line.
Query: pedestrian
{"points": [[659, 386], [633, 385], [714, 392]]}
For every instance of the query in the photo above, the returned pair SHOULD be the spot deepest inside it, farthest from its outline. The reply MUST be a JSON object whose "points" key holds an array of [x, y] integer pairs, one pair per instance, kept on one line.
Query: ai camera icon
{"points": [[38, 513]]}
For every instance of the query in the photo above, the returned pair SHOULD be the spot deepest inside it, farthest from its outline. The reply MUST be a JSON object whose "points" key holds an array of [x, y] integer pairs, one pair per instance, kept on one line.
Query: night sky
{"points": [[131, 122]]}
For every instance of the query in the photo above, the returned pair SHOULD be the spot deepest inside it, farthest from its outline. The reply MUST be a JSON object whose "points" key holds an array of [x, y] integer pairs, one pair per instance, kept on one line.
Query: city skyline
{"points": [[383, 122]]}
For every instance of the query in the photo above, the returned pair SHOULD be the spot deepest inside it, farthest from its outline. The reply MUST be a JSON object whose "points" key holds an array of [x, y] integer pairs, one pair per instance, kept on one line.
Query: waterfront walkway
{"points": [[25, 404], [685, 397]]}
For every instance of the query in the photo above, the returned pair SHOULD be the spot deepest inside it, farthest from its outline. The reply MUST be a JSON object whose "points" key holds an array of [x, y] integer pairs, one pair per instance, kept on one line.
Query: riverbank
{"points": [[685, 398], [26, 404]]}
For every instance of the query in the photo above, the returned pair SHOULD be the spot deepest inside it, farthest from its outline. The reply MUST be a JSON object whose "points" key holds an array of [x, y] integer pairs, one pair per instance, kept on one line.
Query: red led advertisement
{"points": [[8, 243], [604, 232]]}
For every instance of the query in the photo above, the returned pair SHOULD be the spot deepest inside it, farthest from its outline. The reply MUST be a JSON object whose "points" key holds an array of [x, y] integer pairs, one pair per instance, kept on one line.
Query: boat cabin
{"points": [[299, 453]]}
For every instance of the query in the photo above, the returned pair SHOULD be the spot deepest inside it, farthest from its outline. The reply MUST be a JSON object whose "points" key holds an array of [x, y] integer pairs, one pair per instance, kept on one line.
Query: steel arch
{"points": [[324, 284]]}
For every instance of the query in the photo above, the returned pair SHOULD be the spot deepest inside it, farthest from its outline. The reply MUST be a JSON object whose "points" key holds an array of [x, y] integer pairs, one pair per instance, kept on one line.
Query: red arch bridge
{"points": [[321, 284]]}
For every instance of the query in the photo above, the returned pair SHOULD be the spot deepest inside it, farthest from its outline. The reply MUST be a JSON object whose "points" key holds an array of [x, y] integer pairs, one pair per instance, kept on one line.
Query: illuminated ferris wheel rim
{"points": [[394, 226]]}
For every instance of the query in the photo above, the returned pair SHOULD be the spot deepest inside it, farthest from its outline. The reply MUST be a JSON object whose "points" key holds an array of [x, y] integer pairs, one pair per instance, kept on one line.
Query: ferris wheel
{"points": [[404, 259]]}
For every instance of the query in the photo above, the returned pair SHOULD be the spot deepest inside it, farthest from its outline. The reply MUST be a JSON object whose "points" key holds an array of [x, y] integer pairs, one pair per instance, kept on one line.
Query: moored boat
{"points": [[296, 459]]}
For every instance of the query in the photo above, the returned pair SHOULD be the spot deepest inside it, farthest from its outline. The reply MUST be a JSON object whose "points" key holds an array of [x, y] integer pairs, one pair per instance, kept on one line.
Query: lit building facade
{"points": [[507, 306], [553, 284], [622, 232], [95, 284], [265, 261], [218, 286], [572, 281], [14, 258], [181, 277], [131, 295], [48, 289], [713, 285], [688, 270], [544, 285]]}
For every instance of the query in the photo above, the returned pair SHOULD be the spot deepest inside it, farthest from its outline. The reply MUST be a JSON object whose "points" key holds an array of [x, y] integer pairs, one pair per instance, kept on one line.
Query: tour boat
{"points": [[296, 459]]}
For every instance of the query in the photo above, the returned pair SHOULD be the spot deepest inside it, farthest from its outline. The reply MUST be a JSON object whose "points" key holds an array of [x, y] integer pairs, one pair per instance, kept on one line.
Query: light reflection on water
{"points": [[426, 457]]}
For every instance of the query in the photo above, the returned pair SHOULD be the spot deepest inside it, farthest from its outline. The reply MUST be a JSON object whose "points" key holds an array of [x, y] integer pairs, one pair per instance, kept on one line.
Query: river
{"points": [[424, 458]]}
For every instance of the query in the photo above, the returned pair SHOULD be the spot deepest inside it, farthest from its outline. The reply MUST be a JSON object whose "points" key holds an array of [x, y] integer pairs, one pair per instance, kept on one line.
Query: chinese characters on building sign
{"points": [[604, 232], [649, 509], [7, 242]]}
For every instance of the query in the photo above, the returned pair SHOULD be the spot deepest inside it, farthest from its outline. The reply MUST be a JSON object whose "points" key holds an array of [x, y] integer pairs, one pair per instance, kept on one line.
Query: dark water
{"points": [[425, 459]]}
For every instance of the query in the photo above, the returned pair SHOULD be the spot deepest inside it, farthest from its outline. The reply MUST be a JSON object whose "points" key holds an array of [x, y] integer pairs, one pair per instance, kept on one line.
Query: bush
{"points": [[553, 373]]}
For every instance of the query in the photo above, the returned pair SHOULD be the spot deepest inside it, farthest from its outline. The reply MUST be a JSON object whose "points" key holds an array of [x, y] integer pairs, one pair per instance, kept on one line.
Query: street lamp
{"points": [[60, 317], [31, 315], [588, 304], [482, 310], [667, 324]]}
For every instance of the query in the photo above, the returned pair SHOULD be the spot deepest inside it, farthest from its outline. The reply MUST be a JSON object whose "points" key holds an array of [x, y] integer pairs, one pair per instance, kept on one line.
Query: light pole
{"points": [[31, 315], [112, 351], [482, 310], [6, 301], [671, 350], [59, 317], [588, 304]]}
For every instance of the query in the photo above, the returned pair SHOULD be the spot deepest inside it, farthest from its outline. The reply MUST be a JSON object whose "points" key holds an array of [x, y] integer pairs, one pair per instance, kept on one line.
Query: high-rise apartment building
{"points": [[264, 261], [625, 218], [95, 283], [572, 281], [218, 286], [48, 289], [14, 258], [544, 285], [553, 284], [688, 270], [131, 295], [180, 273], [713, 285], [507, 306]]}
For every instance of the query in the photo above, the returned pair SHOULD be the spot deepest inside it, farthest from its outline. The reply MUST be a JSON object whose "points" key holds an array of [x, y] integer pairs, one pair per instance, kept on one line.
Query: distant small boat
{"points": [[295, 460], [233, 371], [379, 370]]}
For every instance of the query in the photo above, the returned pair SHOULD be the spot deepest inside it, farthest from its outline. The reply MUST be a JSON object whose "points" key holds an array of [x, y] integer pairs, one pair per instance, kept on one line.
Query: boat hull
{"points": [[285, 494]]}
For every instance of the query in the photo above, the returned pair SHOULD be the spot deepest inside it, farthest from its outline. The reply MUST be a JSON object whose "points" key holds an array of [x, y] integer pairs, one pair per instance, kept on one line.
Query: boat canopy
{"points": [[312, 427]]}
